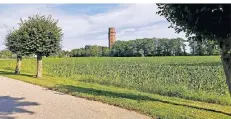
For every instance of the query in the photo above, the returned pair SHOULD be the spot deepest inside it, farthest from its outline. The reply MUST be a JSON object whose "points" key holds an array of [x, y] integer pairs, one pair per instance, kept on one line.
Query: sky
{"points": [[87, 24]]}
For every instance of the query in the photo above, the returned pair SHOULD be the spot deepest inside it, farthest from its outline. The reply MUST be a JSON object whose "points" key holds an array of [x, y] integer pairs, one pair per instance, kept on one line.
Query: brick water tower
{"points": [[111, 36]]}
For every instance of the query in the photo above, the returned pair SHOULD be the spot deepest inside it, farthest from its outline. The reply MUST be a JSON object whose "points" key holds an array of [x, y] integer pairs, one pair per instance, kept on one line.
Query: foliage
{"points": [[157, 106], [61, 53], [202, 20], [148, 47], [205, 47], [15, 43], [90, 51], [38, 35], [162, 47], [6, 54], [41, 35]]}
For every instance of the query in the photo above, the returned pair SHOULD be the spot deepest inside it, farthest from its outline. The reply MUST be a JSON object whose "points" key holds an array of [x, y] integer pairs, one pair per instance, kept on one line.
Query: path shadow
{"points": [[55, 92], [12, 73], [10, 105], [70, 88]]}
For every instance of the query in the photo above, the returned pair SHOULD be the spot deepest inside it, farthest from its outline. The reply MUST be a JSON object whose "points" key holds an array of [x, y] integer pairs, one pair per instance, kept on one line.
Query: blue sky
{"points": [[87, 24]]}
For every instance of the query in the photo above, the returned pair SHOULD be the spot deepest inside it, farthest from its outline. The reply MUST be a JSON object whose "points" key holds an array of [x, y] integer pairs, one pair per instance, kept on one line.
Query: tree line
{"points": [[138, 48], [148, 47], [89, 50]]}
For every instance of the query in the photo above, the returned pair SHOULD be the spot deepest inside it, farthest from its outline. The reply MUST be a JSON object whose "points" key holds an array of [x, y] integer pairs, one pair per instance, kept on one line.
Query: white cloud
{"points": [[130, 20]]}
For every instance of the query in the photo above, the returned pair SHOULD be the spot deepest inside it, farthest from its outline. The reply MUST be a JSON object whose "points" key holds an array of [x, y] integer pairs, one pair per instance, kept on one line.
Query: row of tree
{"points": [[137, 48], [204, 47], [148, 47], [89, 51], [38, 35]]}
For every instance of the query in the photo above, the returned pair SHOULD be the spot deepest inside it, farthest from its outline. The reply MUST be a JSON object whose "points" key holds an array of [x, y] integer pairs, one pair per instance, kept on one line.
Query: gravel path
{"points": [[19, 100]]}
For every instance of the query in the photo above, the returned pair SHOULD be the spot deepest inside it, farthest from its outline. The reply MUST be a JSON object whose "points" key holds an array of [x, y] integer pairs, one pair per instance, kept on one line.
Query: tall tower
{"points": [[111, 36]]}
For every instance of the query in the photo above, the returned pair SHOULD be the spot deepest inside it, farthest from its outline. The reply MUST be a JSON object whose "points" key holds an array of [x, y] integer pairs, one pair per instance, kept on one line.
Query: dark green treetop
{"points": [[211, 21], [41, 35]]}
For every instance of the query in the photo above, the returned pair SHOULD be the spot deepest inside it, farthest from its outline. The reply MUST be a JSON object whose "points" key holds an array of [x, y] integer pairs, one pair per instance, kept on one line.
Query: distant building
{"points": [[111, 36]]}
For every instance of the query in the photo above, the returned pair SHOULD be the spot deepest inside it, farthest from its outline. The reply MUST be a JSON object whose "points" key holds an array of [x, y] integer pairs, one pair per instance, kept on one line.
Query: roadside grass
{"points": [[156, 106]]}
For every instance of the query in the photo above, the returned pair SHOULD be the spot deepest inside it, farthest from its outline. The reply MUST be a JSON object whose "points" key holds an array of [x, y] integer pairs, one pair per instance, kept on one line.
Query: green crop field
{"points": [[188, 78]]}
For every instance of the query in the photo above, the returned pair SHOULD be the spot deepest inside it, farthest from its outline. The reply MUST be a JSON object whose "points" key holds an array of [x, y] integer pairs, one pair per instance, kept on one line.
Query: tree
{"points": [[41, 36], [105, 51], [61, 53], [5, 54], [14, 43], [94, 51], [211, 47], [89, 50], [193, 46], [203, 21]]}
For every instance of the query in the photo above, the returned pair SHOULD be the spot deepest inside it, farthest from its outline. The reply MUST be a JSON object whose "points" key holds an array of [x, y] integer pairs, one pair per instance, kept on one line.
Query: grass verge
{"points": [[153, 105]]}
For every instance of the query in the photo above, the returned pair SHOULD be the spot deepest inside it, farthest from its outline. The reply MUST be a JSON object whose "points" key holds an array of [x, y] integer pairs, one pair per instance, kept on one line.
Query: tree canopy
{"points": [[198, 20], [41, 35], [15, 43]]}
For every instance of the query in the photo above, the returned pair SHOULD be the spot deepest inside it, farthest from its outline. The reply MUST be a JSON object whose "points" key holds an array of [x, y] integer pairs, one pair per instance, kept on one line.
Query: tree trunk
{"points": [[193, 51], [226, 60], [200, 48], [18, 65], [39, 66]]}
